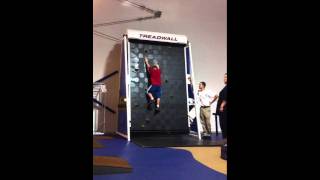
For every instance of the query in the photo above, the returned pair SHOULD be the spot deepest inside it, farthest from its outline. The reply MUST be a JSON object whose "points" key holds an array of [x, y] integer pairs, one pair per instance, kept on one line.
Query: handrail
{"points": [[101, 104], [107, 76]]}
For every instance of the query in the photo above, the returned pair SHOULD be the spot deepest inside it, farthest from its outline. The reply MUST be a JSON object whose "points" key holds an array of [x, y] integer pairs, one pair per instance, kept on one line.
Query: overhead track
{"points": [[155, 14]]}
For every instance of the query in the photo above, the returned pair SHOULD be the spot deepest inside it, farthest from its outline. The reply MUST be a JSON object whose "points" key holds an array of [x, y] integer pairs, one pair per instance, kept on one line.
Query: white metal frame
{"points": [[128, 89], [126, 79], [186, 78], [128, 82], [197, 107]]}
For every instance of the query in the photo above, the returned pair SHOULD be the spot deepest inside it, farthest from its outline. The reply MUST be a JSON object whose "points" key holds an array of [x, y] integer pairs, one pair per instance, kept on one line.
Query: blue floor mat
{"points": [[155, 163]]}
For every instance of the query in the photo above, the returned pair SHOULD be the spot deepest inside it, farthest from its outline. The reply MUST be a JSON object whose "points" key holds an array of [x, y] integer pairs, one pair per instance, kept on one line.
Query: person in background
{"points": [[222, 108], [205, 100]]}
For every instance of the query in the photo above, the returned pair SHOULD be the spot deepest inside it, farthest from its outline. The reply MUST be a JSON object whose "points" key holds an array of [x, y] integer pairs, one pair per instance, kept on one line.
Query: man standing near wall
{"points": [[205, 99], [154, 90]]}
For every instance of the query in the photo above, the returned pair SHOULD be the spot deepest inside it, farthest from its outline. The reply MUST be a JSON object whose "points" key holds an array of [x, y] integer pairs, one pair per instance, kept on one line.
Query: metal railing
{"points": [[99, 90]]}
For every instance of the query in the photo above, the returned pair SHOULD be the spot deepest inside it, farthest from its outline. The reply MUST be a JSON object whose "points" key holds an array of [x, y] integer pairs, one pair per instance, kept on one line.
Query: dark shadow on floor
{"points": [[178, 140]]}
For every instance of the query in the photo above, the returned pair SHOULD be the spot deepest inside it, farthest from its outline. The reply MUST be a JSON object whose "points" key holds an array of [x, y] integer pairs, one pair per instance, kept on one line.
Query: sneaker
{"points": [[157, 109], [205, 135], [149, 106]]}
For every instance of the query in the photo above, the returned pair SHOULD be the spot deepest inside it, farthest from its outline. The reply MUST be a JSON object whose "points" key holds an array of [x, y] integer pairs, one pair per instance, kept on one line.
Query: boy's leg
{"points": [[150, 96], [158, 95]]}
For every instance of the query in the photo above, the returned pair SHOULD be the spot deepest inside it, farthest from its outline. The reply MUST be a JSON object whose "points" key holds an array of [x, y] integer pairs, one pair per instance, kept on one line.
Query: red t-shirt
{"points": [[155, 76]]}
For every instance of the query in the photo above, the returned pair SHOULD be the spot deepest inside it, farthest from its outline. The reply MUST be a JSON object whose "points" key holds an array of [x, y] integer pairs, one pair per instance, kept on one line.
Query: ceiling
{"points": [[204, 22], [178, 16]]}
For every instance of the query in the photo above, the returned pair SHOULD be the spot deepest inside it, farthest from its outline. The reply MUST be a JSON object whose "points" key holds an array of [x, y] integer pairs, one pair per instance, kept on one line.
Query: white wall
{"points": [[204, 22]]}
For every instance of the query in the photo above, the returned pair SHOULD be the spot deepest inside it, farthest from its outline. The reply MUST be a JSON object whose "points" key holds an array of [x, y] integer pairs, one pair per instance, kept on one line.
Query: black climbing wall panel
{"points": [[173, 116]]}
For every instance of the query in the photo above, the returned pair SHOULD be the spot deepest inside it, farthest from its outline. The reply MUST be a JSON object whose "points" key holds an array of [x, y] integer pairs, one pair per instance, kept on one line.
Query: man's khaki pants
{"points": [[205, 114]]}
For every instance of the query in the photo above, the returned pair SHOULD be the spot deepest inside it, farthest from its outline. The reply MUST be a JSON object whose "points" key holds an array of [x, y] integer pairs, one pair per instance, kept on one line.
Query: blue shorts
{"points": [[155, 91]]}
